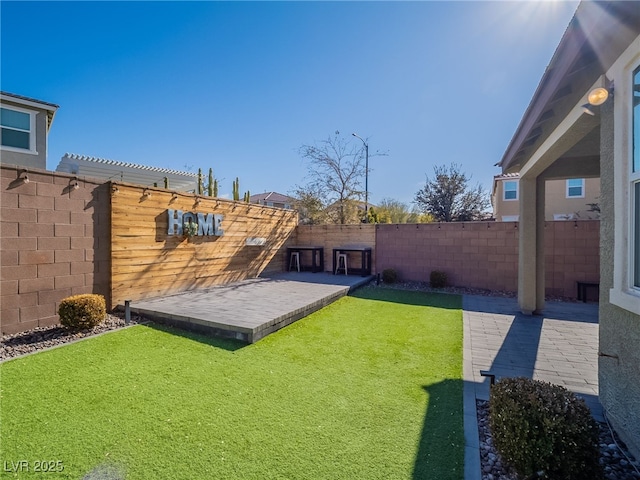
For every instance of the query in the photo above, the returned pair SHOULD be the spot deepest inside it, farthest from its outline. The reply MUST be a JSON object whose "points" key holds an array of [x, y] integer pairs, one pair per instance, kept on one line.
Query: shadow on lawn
{"points": [[228, 344], [410, 297], [441, 449]]}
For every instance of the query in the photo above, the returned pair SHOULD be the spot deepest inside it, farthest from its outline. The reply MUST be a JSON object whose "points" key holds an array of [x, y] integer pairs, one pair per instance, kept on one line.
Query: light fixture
{"points": [[174, 197], [198, 200], [114, 189], [586, 108], [146, 193], [74, 183], [366, 178], [24, 176], [598, 96]]}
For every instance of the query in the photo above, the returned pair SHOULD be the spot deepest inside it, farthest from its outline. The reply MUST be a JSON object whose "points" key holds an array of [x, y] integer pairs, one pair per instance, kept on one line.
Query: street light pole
{"points": [[366, 179]]}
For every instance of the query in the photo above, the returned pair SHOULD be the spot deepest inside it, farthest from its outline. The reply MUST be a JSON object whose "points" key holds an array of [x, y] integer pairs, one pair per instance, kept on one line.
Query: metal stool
{"points": [[294, 260], [341, 263]]}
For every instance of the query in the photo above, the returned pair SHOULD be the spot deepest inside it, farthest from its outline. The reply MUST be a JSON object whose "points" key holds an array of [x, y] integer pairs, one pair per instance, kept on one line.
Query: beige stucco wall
{"points": [[619, 376], [26, 159], [556, 201]]}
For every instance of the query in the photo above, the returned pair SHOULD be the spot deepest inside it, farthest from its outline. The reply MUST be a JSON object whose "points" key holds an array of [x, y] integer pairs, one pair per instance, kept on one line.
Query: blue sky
{"points": [[240, 86]]}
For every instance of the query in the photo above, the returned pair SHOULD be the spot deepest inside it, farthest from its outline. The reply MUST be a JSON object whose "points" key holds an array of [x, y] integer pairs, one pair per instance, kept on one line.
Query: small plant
{"points": [[84, 311], [541, 427], [389, 275], [438, 279], [190, 229]]}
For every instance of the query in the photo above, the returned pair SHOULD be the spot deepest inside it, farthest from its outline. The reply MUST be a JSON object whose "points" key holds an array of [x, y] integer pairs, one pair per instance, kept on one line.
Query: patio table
{"points": [[365, 259], [316, 251]]}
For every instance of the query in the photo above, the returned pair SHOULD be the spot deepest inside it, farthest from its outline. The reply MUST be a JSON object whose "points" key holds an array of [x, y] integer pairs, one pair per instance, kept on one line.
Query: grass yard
{"points": [[369, 387]]}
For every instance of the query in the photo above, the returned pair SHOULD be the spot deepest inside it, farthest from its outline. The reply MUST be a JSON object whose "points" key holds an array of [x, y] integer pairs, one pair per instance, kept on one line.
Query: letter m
{"points": [[205, 224]]}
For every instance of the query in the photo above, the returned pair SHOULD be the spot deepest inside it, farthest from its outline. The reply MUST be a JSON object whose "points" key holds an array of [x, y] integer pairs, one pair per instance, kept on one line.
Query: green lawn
{"points": [[367, 388]]}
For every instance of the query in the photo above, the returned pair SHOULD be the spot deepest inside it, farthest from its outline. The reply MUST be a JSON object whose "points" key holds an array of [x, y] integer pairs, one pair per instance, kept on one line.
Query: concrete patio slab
{"points": [[251, 309]]}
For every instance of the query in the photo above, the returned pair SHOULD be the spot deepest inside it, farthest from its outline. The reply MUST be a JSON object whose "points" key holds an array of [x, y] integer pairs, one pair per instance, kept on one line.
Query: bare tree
{"points": [[449, 198], [336, 168]]}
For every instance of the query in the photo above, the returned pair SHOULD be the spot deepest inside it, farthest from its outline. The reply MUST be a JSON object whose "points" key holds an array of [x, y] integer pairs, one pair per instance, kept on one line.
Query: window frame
{"points": [[516, 190], [634, 192], [32, 130], [568, 187], [623, 293]]}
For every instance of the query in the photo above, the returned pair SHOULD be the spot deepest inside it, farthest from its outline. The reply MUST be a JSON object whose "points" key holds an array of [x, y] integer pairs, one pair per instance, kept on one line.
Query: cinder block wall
{"points": [[478, 254], [485, 255], [334, 236], [54, 241], [572, 254], [474, 254]]}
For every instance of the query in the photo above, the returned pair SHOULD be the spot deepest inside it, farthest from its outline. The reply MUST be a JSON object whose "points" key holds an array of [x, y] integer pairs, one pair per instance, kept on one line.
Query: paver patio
{"points": [[560, 346], [251, 309]]}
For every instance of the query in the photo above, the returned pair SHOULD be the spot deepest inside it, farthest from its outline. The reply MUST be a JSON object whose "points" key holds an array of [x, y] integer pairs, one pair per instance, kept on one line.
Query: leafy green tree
{"points": [[449, 198], [393, 211], [311, 208]]}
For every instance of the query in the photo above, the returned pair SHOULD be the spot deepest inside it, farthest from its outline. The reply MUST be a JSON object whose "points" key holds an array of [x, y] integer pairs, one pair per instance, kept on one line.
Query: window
{"points": [[575, 188], [18, 132], [635, 181], [510, 190]]}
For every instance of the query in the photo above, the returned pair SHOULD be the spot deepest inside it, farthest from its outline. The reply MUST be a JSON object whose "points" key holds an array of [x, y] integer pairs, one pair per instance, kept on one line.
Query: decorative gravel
{"points": [[18, 344], [617, 462]]}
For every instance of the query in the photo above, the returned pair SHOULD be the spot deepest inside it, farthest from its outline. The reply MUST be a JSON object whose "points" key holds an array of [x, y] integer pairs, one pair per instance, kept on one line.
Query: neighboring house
{"points": [[273, 199], [127, 172], [25, 126], [584, 122], [567, 199]]}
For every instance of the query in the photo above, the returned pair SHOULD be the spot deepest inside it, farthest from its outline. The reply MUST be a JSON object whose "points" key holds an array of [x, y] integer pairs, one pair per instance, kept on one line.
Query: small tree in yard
{"points": [[449, 198], [336, 168]]}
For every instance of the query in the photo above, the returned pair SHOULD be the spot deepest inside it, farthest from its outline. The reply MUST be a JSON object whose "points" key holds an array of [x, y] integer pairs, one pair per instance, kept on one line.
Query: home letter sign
{"points": [[209, 224]]}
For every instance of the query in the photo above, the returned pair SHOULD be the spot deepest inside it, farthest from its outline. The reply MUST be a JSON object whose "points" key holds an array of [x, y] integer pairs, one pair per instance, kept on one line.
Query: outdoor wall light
{"points": [[74, 183], [23, 175], [114, 190], [146, 193], [174, 197], [598, 96], [586, 108], [198, 200]]}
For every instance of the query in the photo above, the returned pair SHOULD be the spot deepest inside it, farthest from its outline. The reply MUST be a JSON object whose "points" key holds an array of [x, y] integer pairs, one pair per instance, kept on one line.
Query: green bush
{"points": [[82, 311], [538, 426], [438, 279], [389, 275]]}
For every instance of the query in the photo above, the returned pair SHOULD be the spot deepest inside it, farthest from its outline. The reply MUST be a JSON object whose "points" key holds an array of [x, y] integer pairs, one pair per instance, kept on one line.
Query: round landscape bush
{"points": [[389, 275], [84, 311], [438, 279], [541, 427]]}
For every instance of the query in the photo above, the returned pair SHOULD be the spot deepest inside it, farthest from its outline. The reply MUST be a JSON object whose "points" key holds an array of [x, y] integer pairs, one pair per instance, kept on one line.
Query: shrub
{"points": [[82, 311], [389, 275], [438, 279], [538, 426]]}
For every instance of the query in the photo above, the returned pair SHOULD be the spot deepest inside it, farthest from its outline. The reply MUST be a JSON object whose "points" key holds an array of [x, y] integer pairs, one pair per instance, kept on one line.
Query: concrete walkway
{"points": [[560, 347]]}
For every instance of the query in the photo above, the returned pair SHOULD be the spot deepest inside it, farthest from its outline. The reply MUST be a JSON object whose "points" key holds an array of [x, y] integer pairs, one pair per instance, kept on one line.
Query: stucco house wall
{"points": [[619, 375], [44, 113], [557, 204]]}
